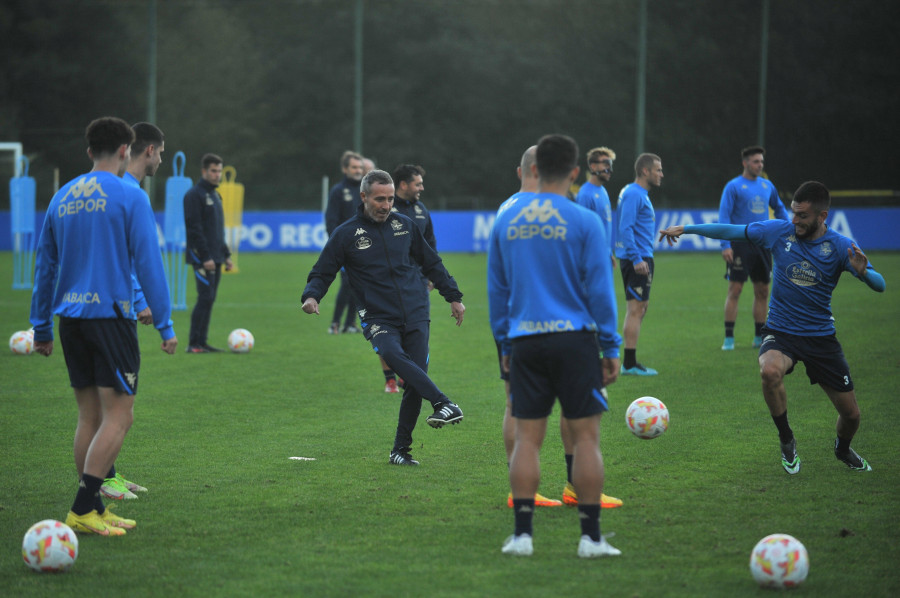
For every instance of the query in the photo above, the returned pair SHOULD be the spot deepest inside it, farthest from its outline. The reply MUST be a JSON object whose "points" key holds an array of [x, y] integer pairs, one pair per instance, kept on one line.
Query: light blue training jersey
{"points": [[637, 224], [549, 271], [595, 198], [745, 201], [804, 273], [97, 231], [140, 302]]}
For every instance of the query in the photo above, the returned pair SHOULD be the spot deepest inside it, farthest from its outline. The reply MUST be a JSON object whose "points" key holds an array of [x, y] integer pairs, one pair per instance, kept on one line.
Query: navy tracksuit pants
{"points": [[405, 349]]}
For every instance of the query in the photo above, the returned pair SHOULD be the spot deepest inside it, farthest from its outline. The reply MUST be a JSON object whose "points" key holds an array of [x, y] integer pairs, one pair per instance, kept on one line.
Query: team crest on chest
{"points": [[826, 248], [396, 225], [363, 243]]}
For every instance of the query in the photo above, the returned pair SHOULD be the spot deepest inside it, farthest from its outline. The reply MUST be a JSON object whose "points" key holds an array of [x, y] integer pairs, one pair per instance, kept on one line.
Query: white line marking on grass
{"points": [[301, 458]]}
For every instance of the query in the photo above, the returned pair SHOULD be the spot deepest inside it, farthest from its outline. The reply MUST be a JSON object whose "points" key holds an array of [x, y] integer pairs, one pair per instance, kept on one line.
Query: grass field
{"points": [[229, 513]]}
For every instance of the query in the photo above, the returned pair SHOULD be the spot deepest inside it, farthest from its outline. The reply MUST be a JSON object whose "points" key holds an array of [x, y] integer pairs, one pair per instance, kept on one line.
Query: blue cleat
{"points": [[638, 370], [757, 341], [728, 345]]}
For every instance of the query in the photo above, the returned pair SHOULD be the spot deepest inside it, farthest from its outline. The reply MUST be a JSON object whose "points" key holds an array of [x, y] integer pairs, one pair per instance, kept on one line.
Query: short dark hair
{"points": [[349, 155], [405, 173], [815, 193], [374, 177], [644, 161], [209, 159], [145, 135], [752, 151], [105, 135], [556, 156]]}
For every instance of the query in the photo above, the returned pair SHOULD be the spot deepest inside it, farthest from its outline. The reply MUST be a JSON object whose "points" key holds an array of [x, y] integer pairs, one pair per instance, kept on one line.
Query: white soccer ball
{"points": [[779, 561], [240, 341], [647, 417], [50, 545], [22, 342]]}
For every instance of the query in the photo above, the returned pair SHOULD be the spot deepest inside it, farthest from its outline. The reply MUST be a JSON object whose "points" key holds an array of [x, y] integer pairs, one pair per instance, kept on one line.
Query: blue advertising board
{"points": [[871, 228]]}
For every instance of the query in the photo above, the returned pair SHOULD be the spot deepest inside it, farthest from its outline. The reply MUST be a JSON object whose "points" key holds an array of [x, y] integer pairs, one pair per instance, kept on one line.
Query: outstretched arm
{"points": [[731, 232], [864, 271]]}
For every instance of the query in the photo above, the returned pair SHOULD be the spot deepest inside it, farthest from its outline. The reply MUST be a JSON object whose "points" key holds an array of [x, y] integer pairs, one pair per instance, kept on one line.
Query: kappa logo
{"points": [[396, 224], [85, 187], [132, 378], [347, 195], [537, 218], [418, 210], [363, 243], [362, 314], [375, 328], [360, 231]]}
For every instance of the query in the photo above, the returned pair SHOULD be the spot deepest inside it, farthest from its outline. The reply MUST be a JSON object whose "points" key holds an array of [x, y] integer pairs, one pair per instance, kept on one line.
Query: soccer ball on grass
{"points": [[22, 342], [240, 341], [779, 561], [647, 417], [50, 545]]}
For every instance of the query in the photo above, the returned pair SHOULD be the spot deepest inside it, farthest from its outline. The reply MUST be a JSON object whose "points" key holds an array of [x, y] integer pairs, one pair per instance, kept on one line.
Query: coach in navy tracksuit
{"points": [[382, 252]]}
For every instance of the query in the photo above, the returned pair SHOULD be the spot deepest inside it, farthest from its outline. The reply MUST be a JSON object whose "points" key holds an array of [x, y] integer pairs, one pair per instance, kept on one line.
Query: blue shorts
{"points": [[101, 352], [822, 355], [564, 365], [750, 262], [637, 286]]}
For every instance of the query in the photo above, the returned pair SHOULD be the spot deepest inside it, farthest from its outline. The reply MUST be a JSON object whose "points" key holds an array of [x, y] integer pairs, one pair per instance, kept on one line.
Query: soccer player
{"points": [[383, 253], [745, 199], [550, 294], [634, 248], [343, 199], [593, 194], [146, 156], [809, 259], [204, 223], [97, 231], [529, 186]]}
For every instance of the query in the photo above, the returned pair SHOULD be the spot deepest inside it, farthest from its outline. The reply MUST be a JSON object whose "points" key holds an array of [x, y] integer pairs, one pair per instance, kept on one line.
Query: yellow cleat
{"points": [[539, 501], [92, 523], [114, 521], [606, 502]]}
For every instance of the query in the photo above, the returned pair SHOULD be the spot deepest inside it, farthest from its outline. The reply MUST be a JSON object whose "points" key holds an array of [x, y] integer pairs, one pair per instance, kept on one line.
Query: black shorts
{"points": [[822, 355], [503, 375], [749, 261], [101, 352], [637, 286], [564, 365]]}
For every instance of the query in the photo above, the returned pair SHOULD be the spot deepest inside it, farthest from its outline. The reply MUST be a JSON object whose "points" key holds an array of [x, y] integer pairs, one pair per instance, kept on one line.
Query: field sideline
{"points": [[229, 513]]}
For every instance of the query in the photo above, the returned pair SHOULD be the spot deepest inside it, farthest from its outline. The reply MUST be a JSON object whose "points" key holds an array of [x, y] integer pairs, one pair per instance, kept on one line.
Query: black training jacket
{"points": [[382, 262]]}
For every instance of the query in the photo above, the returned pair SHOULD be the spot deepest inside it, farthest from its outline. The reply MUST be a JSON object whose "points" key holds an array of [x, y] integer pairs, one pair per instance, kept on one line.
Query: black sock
{"points": [[758, 326], [842, 445], [569, 468], [630, 358], [729, 329], [589, 517], [785, 434], [389, 375], [88, 491], [112, 472], [524, 511]]}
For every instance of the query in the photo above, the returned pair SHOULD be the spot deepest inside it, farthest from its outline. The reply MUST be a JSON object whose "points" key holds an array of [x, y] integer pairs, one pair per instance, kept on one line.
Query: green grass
{"points": [[230, 514]]}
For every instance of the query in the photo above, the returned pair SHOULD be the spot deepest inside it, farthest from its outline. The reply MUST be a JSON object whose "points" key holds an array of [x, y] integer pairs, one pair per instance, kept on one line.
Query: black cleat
{"points": [[445, 413], [210, 349], [789, 459], [402, 458], [196, 349], [851, 459]]}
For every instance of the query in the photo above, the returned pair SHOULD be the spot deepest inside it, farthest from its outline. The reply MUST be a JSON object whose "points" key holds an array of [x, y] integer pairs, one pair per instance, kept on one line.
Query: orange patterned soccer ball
{"points": [[240, 341], [50, 545], [647, 417], [22, 342], [779, 561]]}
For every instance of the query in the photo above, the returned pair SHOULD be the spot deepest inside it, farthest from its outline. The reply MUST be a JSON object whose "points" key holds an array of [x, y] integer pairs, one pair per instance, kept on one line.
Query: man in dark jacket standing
{"points": [[382, 252], [343, 199], [204, 222]]}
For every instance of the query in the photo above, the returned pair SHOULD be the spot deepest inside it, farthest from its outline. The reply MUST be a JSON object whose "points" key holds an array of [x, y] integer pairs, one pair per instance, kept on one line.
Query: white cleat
{"points": [[518, 545], [588, 549]]}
